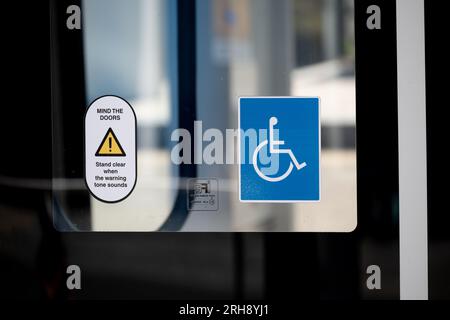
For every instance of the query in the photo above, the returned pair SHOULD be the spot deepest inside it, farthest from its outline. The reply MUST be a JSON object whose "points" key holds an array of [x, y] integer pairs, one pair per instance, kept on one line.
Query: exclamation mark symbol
{"points": [[110, 144]]}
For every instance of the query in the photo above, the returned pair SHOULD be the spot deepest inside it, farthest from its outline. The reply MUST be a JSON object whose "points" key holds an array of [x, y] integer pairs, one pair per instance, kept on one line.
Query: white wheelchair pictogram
{"points": [[272, 143]]}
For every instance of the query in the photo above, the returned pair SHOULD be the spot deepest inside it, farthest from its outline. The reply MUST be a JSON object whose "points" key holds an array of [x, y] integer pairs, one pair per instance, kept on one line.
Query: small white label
{"points": [[110, 149]]}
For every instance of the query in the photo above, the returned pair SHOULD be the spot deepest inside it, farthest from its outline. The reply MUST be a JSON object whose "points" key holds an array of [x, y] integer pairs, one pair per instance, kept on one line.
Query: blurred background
{"points": [[242, 48], [177, 61]]}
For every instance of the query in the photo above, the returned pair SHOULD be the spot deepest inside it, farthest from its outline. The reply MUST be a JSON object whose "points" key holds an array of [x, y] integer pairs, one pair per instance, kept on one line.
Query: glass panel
{"points": [[243, 48], [280, 48], [127, 52]]}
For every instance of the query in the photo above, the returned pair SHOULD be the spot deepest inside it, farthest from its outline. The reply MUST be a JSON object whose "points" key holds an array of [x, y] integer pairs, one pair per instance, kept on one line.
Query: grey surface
{"points": [[412, 150]]}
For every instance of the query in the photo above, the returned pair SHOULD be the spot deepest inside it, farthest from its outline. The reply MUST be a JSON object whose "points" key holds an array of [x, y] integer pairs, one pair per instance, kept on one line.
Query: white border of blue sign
{"points": [[320, 149]]}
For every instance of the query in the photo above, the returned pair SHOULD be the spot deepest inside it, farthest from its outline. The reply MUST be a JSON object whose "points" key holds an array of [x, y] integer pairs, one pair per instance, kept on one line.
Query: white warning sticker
{"points": [[110, 149]]}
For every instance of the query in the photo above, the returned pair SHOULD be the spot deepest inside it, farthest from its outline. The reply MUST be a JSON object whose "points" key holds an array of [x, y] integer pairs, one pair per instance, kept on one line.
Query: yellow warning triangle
{"points": [[110, 146]]}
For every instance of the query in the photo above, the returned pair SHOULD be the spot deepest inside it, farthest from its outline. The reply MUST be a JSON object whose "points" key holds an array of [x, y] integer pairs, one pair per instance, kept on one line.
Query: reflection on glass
{"points": [[243, 48], [284, 48], [126, 54]]}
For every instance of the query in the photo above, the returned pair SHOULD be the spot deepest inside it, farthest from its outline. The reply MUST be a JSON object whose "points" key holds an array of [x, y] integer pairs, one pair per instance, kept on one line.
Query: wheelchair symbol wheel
{"points": [[262, 175]]}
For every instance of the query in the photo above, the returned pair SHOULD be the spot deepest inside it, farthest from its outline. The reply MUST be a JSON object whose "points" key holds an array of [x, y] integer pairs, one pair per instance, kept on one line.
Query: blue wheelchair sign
{"points": [[279, 149]]}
